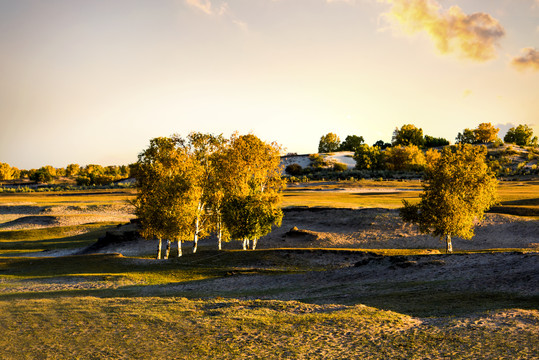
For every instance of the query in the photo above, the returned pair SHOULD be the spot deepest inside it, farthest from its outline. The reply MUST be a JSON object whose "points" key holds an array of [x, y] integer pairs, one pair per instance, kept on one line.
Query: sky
{"points": [[91, 82]]}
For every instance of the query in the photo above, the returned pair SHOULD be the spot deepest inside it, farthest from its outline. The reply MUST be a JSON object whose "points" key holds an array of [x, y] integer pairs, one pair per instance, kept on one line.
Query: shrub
{"points": [[368, 157], [294, 169], [405, 158], [318, 161], [340, 167], [510, 151]]}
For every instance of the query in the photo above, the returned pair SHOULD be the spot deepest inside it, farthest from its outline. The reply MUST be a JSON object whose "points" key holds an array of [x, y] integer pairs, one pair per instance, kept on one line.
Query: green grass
{"points": [[515, 197], [389, 200]]}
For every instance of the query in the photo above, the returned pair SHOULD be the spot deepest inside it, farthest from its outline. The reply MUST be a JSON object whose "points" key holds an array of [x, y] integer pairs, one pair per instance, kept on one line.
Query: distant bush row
{"points": [[56, 188], [409, 134]]}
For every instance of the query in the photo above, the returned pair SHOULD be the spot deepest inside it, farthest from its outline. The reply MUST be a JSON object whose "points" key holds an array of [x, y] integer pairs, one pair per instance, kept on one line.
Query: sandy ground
{"points": [[383, 228], [31, 216], [313, 228], [344, 157]]}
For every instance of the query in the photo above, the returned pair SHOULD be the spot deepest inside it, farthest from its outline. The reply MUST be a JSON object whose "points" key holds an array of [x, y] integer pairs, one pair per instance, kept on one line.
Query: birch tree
{"points": [[203, 148], [167, 198], [457, 189], [251, 184]]}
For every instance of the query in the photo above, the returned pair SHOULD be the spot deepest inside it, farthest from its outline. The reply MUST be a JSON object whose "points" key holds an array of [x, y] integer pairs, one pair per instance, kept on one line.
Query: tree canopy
{"points": [[466, 137], [167, 197], [521, 135], [7, 172], [408, 135], [485, 133], [431, 141], [251, 180], [457, 189], [351, 143], [329, 143], [191, 187], [369, 157]]}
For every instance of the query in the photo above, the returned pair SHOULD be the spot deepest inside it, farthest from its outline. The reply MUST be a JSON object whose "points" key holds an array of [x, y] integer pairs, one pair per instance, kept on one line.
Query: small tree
{"points": [[369, 157], [382, 145], [351, 143], [167, 198], [329, 143], [252, 184], [6, 172], [457, 190], [521, 135], [408, 135], [294, 169], [466, 137], [203, 147], [44, 174], [404, 158], [485, 133], [431, 141]]}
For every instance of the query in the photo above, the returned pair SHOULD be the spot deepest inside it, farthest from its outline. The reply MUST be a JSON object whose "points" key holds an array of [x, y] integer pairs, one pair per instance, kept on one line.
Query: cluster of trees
{"points": [[458, 188], [331, 142], [88, 175], [410, 150], [395, 158], [521, 135], [484, 133], [407, 135], [203, 184]]}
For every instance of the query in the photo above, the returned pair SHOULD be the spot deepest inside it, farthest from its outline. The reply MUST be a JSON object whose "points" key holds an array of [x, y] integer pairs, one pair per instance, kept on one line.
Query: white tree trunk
{"points": [[195, 237], [219, 235], [179, 242], [245, 244], [255, 241], [167, 251], [449, 246], [159, 250]]}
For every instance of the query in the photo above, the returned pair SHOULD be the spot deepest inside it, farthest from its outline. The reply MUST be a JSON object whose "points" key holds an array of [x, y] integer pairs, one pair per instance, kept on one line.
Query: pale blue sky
{"points": [[92, 81]]}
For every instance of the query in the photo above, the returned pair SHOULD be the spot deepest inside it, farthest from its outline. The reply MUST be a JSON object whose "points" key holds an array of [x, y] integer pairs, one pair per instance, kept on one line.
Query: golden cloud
{"points": [[528, 60], [472, 36]]}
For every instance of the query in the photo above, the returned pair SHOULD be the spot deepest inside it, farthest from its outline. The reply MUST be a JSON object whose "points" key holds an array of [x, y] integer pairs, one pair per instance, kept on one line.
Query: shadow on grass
{"points": [[195, 273], [429, 303], [53, 238]]}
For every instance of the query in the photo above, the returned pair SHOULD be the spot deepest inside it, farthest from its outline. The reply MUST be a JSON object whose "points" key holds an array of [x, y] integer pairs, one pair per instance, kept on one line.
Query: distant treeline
{"points": [[410, 153], [409, 134], [73, 174]]}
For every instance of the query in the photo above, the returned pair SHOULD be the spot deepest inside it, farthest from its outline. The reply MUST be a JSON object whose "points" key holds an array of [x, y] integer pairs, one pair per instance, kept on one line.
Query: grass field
{"points": [[110, 306], [518, 197]]}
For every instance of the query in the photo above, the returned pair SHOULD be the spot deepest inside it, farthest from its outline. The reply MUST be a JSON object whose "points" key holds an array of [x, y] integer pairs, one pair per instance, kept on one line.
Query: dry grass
{"points": [[137, 328]]}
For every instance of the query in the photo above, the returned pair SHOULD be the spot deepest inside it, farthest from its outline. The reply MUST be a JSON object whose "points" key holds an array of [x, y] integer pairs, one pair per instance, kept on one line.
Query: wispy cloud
{"points": [[208, 7], [217, 8], [528, 60], [473, 36]]}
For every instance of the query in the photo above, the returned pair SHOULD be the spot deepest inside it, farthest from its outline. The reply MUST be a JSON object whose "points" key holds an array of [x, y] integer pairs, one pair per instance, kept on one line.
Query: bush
{"points": [[294, 169], [318, 162], [340, 167], [409, 158], [510, 151]]}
